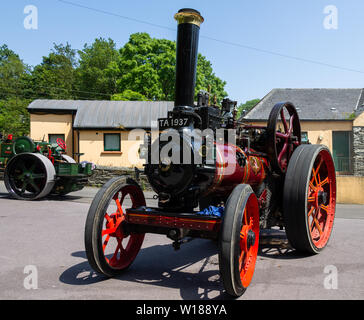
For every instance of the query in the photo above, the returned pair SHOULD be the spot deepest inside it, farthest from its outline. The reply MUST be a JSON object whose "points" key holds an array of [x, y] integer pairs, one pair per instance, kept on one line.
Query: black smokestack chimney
{"points": [[189, 21]]}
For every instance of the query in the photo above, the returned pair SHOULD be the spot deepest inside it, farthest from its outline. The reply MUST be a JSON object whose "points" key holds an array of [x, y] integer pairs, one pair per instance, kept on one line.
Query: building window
{"points": [[52, 138], [342, 150], [111, 141]]}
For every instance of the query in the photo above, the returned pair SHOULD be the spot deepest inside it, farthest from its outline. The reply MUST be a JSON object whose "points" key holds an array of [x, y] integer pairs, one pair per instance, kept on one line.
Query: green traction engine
{"points": [[35, 169]]}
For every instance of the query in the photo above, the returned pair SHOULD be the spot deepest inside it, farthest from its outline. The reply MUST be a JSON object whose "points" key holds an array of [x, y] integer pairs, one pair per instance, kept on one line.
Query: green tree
{"points": [[98, 69], [247, 106], [128, 95], [14, 93], [55, 77], [147, 66]]}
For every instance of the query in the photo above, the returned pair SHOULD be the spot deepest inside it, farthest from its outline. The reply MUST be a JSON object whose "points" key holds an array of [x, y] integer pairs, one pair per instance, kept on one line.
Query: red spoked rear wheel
{"points": [[309, 198], [283, 135], [110, 248], [321, 199], [239, 240]]}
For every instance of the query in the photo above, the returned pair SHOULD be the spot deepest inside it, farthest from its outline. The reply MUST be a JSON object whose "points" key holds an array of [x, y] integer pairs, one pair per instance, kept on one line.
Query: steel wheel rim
{"points": [[248, 252], [27, 174], [127, 245], [321, 199]]}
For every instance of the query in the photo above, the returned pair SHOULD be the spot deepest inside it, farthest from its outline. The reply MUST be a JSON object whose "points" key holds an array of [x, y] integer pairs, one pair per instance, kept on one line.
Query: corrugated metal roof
{"points": [[121, 114], [59, 105], [312, 104], [108, 114]]}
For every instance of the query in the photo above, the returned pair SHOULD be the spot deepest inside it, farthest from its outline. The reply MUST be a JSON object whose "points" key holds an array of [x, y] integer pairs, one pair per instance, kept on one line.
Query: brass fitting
{"points": [[189, 16]]}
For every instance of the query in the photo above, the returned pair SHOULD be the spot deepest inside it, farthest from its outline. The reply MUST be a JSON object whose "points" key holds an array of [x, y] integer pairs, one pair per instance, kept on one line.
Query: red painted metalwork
{"points": [[174, 221], [230, 173]]}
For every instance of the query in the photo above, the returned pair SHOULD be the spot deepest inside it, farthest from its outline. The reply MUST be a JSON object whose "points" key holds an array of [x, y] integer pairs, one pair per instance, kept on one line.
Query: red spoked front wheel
{"points": [[283, 135], [309, 198], [249, 236], [110, 248], [239, 240]]}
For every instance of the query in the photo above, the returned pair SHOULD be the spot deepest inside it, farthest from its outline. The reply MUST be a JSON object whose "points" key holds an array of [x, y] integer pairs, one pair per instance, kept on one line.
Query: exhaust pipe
{"points": [[189, 21]]}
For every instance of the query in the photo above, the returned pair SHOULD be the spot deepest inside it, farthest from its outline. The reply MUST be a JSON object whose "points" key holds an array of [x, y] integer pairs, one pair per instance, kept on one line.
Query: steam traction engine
{"points": [[34, 169], [265, 178]]}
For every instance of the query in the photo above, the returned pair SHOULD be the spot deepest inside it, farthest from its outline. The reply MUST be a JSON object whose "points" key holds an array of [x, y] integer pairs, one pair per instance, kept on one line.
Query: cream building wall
{"points": [[359, 121], [320, 132], [91, 143], [41, 125]]}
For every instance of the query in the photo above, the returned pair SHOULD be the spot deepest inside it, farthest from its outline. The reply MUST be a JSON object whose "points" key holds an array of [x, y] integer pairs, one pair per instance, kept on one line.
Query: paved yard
{"points": [[48, 234]]}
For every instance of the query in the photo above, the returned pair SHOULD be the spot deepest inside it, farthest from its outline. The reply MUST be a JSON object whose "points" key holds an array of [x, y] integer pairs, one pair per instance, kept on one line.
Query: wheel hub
{"points": [[322, 198], [250, 238]]}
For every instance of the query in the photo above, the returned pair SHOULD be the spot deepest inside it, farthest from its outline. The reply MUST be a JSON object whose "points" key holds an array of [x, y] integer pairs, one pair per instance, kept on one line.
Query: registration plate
{"points": [[173, 122]]}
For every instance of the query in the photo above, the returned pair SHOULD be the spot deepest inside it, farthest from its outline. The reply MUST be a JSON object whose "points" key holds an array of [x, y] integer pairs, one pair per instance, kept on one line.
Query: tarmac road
{"points": [[48, 234]]}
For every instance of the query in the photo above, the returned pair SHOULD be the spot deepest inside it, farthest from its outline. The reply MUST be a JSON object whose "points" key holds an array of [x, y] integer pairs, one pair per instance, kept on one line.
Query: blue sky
{"points": [[287, 27]]}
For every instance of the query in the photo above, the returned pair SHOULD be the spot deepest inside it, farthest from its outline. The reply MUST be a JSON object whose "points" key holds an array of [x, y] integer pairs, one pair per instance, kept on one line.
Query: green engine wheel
{"points": [[23, 144], [29, 176]]}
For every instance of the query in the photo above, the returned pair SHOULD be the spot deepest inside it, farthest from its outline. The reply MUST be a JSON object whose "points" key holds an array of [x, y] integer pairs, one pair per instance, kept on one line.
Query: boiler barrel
{"points": [[230, 173]]}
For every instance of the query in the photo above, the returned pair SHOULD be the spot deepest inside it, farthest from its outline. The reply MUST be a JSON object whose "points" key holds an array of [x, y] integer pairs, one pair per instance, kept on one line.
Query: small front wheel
{"points": [[239, 240], [110, 249]]}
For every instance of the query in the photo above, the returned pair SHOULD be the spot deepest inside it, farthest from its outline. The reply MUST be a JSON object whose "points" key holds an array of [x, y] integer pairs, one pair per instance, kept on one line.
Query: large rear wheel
{"points": [[109, 247], [309, 198], [239, 237]]}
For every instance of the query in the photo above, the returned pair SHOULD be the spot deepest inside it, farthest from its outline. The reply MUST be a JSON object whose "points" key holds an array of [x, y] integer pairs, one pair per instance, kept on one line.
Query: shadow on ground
{"points": [[162, 266]]}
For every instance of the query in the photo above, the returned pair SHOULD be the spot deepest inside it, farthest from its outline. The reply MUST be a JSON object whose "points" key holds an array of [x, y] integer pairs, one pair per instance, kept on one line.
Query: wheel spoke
{"points": [[325, 181], [282, 135], [107, 217], [283, 151], [36, 188], [119, 207], [108, 231], [38, 175], [313, 187], [317, 170], [291, 125], [317, 226], [310, 212], [314, 176], [115, 255], [283, 118]]}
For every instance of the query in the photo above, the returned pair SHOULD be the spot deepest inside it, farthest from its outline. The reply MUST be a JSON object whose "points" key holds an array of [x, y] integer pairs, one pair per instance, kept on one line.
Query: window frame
{"points": [[112, 134]]}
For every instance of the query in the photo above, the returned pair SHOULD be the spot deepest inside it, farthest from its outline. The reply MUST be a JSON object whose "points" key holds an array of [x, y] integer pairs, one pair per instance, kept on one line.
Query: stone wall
{"points": [[103, 174], [358, 151]]}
